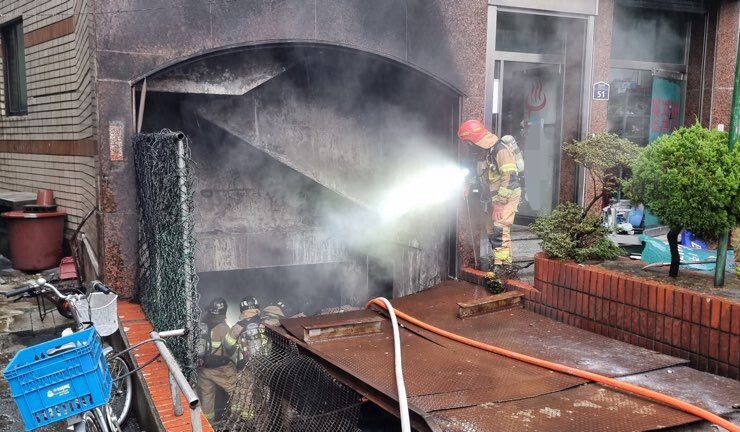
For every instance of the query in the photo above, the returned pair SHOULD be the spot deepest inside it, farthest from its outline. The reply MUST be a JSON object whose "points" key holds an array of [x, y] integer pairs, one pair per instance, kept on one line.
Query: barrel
{"points": [[35, 239]]}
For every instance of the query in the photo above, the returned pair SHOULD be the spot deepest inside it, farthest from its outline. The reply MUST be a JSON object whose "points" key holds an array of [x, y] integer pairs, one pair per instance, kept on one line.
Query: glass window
{"points": [[649, 35], [529, 33], [644, 105], [629, 104], [14, 67]]}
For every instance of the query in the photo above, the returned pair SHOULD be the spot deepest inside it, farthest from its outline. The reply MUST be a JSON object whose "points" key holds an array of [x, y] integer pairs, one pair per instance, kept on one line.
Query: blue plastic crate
{"points": [[60, 378]]}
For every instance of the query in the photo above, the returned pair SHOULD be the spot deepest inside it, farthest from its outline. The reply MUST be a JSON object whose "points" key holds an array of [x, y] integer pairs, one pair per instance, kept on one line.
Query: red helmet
{"points": [[472, 130]]}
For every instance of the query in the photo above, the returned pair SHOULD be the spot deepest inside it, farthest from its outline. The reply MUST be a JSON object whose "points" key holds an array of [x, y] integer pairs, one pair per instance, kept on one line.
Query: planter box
{"points": [[701, 328]]}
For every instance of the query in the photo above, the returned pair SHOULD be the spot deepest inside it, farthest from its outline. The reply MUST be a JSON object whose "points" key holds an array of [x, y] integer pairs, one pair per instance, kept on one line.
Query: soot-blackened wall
{"points": [[290, 173], [444, 38]]}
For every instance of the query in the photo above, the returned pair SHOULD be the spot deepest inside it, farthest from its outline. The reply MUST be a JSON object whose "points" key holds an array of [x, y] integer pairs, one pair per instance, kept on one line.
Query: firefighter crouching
{"points": [[216, 369], [499, 173]]}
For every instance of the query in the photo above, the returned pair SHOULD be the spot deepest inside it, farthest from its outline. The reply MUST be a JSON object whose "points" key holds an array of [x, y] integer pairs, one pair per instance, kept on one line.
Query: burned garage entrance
{"points": [[295, 148]]}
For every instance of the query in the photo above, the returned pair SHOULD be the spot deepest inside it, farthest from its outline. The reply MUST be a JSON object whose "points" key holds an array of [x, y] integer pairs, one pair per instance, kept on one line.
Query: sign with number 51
{"points": [[601, 91]]}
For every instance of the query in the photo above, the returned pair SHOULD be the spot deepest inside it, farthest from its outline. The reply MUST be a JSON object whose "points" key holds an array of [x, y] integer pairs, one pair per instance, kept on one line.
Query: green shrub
{"points": [[690, 179], [567, 234], [605, 156]]}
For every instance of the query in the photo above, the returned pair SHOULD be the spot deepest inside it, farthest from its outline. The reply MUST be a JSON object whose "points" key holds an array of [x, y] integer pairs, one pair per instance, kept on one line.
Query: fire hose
{"points": [[403, 405], [601, 379]]}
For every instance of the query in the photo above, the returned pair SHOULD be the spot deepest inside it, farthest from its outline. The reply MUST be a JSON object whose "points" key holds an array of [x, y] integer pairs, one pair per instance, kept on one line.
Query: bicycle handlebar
{"points": [[41, 283], [31, 286], [53, 289], [19, 291], [99, 286]]}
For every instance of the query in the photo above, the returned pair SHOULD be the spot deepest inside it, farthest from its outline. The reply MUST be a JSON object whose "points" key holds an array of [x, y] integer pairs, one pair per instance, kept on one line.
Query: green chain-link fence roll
{"points": [[283, 390], [166, 279]]}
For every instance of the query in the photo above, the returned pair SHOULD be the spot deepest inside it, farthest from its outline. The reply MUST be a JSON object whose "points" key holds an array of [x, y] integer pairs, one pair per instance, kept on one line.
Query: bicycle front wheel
{"points": [[122, 390], [91, 422], [105, 415]]}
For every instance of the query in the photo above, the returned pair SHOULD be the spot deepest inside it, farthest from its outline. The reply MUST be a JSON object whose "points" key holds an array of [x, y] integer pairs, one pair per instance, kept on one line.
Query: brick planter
{"points": [[701, 328]]}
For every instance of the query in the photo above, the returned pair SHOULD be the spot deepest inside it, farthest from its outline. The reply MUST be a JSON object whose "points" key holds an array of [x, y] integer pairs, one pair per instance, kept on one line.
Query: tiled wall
{"points": [[72, 178], [701, 328], [53, 146], [59, 71]]}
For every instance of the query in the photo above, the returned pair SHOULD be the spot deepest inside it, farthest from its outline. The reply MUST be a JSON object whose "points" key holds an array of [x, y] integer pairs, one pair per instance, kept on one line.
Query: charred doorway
{"points": [[294, 147]]}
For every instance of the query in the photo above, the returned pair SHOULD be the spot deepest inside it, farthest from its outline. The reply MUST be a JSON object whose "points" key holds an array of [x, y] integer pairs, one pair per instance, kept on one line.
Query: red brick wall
{"points": [[701, 328]]}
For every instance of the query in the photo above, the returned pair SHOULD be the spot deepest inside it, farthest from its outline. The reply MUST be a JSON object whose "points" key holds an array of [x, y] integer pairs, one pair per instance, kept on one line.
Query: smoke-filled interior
{"points": [[296, 149]]}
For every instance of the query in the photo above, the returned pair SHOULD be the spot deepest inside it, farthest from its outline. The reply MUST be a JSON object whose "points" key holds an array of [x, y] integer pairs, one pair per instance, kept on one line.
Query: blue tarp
{"points": [[659, 251]]}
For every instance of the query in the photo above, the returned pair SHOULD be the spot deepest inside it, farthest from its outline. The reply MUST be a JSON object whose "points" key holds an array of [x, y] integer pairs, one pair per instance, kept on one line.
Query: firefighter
{"points": [[249, 313], [499, 169], [216, 370], [271, 314]]}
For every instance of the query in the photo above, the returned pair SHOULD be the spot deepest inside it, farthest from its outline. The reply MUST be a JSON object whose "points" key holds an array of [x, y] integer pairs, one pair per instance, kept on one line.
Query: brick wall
{"points": [[701, 328]]}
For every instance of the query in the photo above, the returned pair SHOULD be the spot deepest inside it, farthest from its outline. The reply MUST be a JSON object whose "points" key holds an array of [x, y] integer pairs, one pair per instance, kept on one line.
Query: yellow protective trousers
{"points": [[499, 232], [209, 379]]}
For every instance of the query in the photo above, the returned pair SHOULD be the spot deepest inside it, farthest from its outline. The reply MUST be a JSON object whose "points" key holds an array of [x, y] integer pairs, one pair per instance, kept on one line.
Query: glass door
{"points": [[665, 112], [530, 110]]}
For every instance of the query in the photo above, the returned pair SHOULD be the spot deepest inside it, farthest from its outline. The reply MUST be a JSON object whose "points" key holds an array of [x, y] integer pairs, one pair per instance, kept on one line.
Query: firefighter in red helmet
{"points": [[498, 173]]}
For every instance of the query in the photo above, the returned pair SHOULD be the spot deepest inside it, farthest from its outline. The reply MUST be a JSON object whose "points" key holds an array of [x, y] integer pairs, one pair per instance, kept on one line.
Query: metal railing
{"points": [[178, 382]]}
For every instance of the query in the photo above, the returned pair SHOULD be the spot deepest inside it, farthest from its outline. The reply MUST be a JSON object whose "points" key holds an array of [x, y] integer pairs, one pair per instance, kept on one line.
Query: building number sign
{"points": [[601, 91]]}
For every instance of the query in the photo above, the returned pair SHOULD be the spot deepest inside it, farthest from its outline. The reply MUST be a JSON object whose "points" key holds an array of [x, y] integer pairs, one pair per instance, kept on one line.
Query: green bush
{"points": [[567, 234], [605, 156], [690, 179]]}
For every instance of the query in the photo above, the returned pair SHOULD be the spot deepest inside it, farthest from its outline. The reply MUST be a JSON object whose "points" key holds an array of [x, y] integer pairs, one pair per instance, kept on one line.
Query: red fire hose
{"points": [[611, 382]]}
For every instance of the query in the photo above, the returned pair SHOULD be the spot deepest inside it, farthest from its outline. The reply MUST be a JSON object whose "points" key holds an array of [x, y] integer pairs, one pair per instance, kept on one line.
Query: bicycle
{"points": [[103, 417], [119, 367]]}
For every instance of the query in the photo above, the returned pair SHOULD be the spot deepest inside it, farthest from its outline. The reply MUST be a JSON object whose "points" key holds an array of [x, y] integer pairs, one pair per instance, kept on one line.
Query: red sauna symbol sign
{"points": [[536, 99]]}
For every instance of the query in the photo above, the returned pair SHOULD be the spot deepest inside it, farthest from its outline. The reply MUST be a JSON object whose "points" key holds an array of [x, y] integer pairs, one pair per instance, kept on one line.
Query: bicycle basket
{"points": [[101, 310], [60, 378]]}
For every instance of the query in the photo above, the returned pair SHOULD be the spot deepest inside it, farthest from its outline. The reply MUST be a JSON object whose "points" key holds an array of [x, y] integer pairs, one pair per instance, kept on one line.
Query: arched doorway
{"points": [[294, 145]]}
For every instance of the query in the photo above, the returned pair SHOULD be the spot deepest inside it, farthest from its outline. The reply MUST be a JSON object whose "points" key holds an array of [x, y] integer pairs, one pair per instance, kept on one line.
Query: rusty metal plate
{"points": [[586, 408], [528, 333], [711, 392], [437, 377], [465, 389]]}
